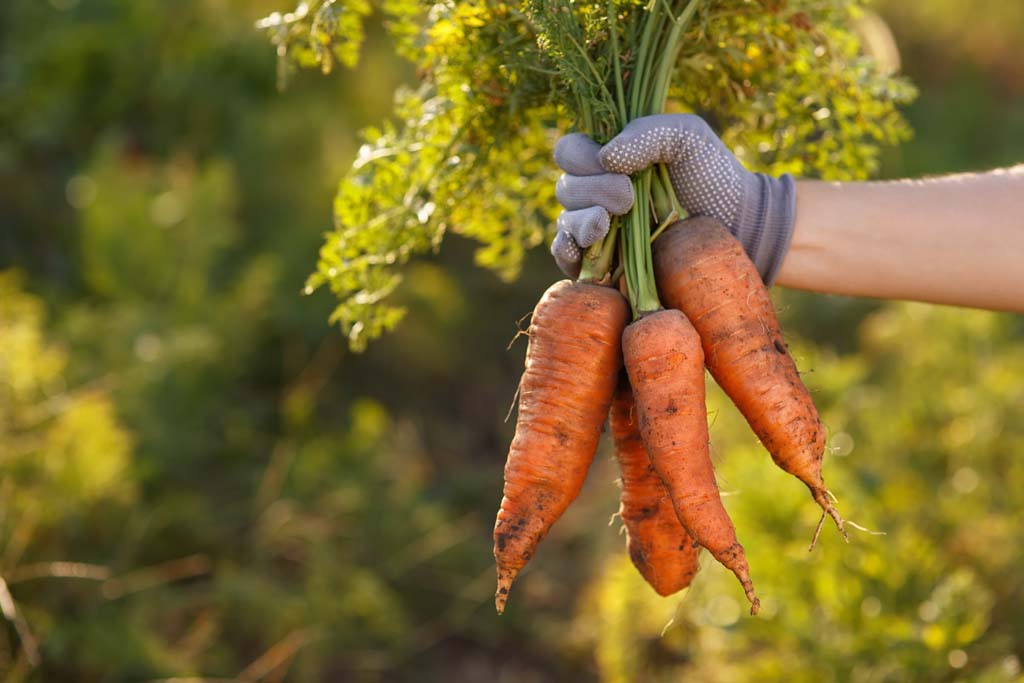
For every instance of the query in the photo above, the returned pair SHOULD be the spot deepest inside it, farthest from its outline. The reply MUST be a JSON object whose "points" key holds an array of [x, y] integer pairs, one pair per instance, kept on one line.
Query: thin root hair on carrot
{"points": [[825, 501], [817, 532], [829, 510], [515, 396], [670, 624], [858, 527], [848, 522], [520, 332]]}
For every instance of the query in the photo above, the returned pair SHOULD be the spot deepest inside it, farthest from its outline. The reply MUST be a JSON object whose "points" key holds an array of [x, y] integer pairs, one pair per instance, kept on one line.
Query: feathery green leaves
{"points": [[785, 84]]}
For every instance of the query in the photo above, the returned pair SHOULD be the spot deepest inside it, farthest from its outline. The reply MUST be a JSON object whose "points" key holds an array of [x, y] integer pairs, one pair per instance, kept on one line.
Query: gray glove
{"points": [[590, 195], [708, 180]]}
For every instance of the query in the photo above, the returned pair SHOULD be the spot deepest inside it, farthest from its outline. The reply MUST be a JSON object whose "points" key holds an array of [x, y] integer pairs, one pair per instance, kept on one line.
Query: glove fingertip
{"points": [[568, 255], [585, 226], [576, 154]]}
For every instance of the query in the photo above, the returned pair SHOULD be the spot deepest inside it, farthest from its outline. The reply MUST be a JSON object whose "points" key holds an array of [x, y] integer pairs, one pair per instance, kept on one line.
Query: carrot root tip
{"points": [[817, 532], [823, 497], [505, 579], [755, 602], [748, 590]]}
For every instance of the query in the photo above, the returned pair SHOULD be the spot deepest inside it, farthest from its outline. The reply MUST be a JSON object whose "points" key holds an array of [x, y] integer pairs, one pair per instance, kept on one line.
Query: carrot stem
{"points": [[646, 92], [655, 199], [597, 260], [636, 250], [669, 220], [616, 58], [665, 184]]}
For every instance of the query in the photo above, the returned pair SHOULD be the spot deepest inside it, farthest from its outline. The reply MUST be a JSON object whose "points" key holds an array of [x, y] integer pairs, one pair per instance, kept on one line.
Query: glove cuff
{"points": [[766, 223]]}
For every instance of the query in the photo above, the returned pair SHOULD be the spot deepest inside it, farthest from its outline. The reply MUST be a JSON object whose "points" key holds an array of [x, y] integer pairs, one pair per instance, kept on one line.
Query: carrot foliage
{"points": [[785, 82]]}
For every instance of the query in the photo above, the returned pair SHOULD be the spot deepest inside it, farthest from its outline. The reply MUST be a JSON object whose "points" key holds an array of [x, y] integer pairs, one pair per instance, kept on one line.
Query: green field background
{"points": [[199, 482]]}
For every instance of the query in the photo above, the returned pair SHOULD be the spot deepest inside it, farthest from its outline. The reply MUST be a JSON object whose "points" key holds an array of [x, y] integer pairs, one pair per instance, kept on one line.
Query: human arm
{"points": [[955, 239]]}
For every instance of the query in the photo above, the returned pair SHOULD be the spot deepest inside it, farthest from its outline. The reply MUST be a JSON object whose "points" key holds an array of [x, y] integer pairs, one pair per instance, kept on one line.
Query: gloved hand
{"points": [[590, 195], [708, 180]]}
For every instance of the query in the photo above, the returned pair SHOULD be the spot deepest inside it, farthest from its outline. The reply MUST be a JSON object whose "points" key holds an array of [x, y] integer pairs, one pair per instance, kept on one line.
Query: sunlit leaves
{"points": [[316, 34], [28, 366], [786, 84], [790, 90], [573, 42], [444, 170]]}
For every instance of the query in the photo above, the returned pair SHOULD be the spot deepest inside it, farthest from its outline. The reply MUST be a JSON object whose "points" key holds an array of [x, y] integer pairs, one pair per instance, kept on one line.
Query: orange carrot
{"points": [[661, 549], [703, 271], [572, 364], [666, 369]]}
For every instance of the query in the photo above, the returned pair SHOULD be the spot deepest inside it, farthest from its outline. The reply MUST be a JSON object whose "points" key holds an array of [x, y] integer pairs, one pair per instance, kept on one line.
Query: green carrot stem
{"points": [[661, 202], [614, 33], [638, 81], [671, 218], [667, 65], [593, 70], [590, 268], [665, 184], [653, 65], [597, 261], [636, 250]]}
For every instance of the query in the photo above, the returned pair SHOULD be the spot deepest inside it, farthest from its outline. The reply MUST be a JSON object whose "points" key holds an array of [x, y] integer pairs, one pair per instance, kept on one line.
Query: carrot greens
{"points": [[784, 82]]}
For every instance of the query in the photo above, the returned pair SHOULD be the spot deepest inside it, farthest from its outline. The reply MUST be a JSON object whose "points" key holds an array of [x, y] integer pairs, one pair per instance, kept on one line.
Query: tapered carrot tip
{"points": [[748, 589], [736, 561], [505, 579], [822, 499]]}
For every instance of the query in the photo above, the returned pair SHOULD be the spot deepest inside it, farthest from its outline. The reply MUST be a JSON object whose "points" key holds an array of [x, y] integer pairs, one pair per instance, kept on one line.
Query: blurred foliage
{"points": [[967, 59], [787, 84], [197, 482], [923, 449], [61, 448]]}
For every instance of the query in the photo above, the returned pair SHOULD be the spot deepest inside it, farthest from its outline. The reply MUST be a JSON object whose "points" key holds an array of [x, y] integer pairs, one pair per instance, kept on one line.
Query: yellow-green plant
{"points": [[785, 83]]}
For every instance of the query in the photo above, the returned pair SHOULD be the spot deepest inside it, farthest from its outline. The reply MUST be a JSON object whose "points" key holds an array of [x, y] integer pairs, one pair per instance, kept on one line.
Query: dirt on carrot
{"points": [[572, 364], [660, 548], [663, 357], [703, 271]]}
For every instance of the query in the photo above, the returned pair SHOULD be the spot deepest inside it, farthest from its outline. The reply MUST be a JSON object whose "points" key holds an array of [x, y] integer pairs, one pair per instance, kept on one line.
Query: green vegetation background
{"points": [[198, 481]]}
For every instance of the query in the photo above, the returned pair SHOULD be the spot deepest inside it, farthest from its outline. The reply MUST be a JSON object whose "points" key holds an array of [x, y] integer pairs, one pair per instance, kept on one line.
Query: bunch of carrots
{"points": [[692, 300]]}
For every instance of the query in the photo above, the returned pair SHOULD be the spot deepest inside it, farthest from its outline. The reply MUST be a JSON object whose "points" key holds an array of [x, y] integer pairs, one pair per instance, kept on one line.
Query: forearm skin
{"points": [[955, 240]]}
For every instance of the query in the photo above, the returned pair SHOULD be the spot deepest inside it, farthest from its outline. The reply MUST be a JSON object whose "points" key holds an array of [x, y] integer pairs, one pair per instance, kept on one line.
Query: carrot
{"points": [[572, 362], [661, 549], [665, 363], [703, 271]]}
